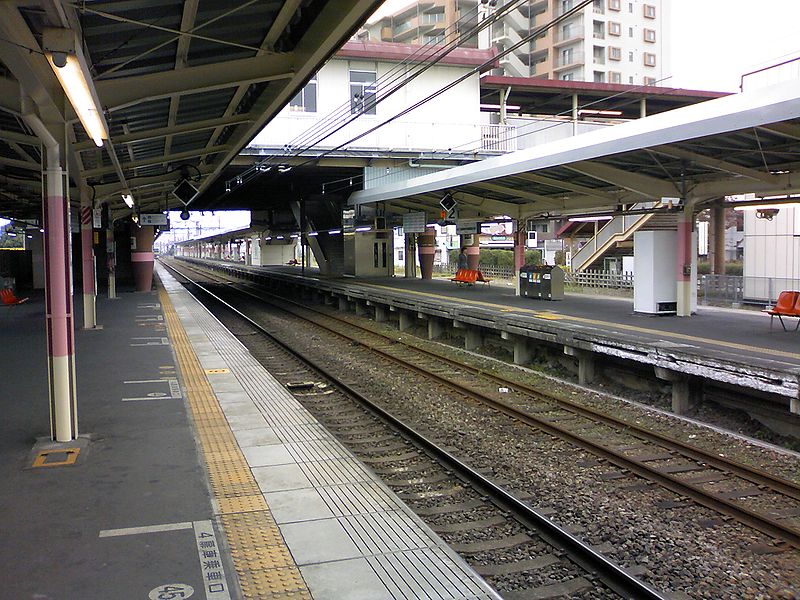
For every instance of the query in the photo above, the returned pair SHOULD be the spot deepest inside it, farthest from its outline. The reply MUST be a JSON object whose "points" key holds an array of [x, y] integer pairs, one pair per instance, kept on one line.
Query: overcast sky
{"points": [[714, 42]]}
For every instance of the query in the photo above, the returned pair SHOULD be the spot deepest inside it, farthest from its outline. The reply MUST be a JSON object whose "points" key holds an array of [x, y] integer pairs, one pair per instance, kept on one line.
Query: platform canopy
{"points": [[183, 85], [737, 144]]}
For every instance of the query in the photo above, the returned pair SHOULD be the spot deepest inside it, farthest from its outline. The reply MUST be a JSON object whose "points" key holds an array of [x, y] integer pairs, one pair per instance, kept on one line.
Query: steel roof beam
{"points": [[644, 185], [21, 138], [149, 162], [282, 19], [715, 163], [116, 94], [566, 185], [513, 192]]}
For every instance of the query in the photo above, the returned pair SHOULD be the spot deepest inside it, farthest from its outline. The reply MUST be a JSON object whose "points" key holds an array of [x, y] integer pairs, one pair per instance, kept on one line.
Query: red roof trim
{"points": [[393, 52], [534, 84]]}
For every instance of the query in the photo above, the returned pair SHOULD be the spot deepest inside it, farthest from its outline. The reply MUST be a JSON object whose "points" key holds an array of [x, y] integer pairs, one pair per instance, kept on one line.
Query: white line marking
{"points": [[146, 529]]}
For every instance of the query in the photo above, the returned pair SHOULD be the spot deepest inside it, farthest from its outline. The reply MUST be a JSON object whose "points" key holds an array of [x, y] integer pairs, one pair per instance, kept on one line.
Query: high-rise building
{"points": [[608, 41]]}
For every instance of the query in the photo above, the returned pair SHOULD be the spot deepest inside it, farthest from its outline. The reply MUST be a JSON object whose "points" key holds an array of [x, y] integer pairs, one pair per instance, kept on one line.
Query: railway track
{"points": [[756, 498], [490, 526]]}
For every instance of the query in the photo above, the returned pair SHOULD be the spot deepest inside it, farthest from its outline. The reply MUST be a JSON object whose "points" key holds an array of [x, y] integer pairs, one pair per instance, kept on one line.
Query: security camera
{"points": [[59, 59]]}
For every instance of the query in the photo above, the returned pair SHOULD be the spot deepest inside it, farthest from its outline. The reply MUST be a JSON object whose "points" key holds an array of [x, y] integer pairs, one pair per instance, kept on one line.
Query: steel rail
{"points": [[760, 522], [611, 574]]}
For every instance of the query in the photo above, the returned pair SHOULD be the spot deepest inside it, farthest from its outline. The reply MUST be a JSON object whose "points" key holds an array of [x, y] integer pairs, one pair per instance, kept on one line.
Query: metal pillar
{"points": [[574, 114], [142, 257], [642, 108], [411, 256], [520, 238], [58, 289], [87, 259], [684, 279], [718, 233]]}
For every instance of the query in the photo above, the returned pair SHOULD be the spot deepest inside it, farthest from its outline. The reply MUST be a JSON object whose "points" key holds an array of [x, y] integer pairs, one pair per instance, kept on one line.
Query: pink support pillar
{"points": [[426, 243], [142, 258], [58, 300], [474, 252], [87, 260], [519, 255]]}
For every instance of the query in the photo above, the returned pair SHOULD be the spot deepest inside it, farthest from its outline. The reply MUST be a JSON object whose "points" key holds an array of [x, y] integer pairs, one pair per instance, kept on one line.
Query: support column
{"points": [[435, 328], [474, 253], [520, 238], [427, 250], [574, 114], [411, 256], [381, 314], [718, 237], [473, 338], [58, 299], [406, 320], [87, 259], [684, 279], [344, 305], [142, 258], [586, 363], [682, 392], [111, 257], [642, 108]]}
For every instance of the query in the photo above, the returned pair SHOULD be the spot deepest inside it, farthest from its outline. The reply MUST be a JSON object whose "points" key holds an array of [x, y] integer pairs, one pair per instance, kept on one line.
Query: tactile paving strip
{"points": [[264, 567]]}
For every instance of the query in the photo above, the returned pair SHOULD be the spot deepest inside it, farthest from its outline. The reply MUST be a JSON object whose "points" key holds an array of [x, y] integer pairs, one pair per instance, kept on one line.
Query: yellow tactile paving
{"points": [[261, 559]]}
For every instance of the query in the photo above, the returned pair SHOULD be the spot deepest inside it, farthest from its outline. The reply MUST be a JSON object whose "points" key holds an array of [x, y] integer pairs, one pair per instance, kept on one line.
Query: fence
{"points": [[600, 279]]}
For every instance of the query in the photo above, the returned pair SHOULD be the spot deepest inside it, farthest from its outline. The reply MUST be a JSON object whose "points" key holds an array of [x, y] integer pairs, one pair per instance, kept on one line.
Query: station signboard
{"points": [[152, 219]]}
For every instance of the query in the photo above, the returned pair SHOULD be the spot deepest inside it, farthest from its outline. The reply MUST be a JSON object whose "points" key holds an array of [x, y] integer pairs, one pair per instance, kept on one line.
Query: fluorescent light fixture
{"points": [[602, 113], [591, 219], [767, 206], [128, 199], [41, 230], [312, 234], [284, 168], [280, 237], [334, 231], [294, 235], [365, 228], [268, 238], [497, 107], [64, 53], [11, 234]]}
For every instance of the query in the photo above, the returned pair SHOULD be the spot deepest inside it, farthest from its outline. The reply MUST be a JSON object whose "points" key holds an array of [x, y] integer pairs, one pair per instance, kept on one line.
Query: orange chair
{"points": [[466, 276], [9, 298], [788, 305], [483, 279]]}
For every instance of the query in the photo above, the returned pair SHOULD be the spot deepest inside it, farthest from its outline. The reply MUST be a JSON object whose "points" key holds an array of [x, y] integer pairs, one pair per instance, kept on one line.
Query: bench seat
{"points": [[788, 305]]}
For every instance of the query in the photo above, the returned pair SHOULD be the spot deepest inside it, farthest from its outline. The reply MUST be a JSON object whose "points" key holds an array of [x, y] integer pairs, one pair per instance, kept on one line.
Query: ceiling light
{"points": [[128, 199], [334, 231], [280, 237], [312, 234], [63, 52], [591, 219], [365, 228]]}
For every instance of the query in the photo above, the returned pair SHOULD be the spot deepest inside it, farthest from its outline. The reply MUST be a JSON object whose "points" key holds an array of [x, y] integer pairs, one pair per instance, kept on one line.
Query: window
{"points": [[599, 30], [599, 7], [432, 17], [567, 77], [613, 4], [566, 31], [630, 7], [599, 55], [566, 5], [614, 28], [650, 35], [649, 11], [566, 57], [630, 56], [306, 99], [630, 32], [649, 59], [649, 81], [437, 38], [614, 77], [362, 92], [614, 53], [630, 79], [599, 77]]}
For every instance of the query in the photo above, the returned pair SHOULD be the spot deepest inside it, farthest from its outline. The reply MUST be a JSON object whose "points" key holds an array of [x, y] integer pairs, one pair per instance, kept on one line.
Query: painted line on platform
{"points": [[104, 533], [606, 324]]}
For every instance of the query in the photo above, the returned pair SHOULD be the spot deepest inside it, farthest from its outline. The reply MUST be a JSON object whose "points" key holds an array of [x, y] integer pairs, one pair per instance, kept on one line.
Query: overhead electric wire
{"points": [[442, 90], [396, 74]]}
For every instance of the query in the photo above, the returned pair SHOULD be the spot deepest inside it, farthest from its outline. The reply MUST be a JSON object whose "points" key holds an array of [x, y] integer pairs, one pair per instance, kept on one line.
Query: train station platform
{"points": [[195, 473], [735, 347]]}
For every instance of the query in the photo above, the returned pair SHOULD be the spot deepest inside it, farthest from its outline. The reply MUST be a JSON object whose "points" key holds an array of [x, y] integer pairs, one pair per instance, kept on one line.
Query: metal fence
{"points": [[600, 279]]}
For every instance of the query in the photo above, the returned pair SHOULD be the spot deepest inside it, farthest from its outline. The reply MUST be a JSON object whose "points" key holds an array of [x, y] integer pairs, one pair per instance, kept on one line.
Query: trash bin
{"points": [[541, 281]]}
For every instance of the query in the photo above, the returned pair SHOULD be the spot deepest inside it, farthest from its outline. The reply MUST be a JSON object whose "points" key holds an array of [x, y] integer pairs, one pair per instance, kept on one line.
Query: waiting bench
{"points": [[788, 305], [469, 277]]}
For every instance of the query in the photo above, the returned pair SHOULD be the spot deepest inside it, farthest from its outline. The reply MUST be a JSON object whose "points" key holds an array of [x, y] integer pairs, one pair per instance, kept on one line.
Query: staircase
{"points": [[323, 213], [621, 229]]}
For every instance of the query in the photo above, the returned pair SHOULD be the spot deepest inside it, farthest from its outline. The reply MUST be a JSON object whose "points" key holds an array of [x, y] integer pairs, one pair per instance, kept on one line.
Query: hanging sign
{"points": [[414, 222]]}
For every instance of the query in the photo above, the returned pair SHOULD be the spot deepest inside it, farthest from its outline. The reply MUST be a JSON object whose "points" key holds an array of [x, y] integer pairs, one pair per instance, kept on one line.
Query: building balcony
{"points": [[574, 59]]}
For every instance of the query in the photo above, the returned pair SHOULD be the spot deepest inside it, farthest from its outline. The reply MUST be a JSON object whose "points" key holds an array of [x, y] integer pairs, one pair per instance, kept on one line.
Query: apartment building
{"points": [[608, 41]]}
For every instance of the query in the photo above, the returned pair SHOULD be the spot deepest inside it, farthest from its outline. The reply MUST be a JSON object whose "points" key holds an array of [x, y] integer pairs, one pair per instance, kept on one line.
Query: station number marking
{"points": [[171, 591]]}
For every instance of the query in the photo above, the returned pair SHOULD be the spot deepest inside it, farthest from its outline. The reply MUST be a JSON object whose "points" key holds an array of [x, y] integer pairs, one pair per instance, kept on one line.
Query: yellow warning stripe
{"points": [[262, 561]]}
